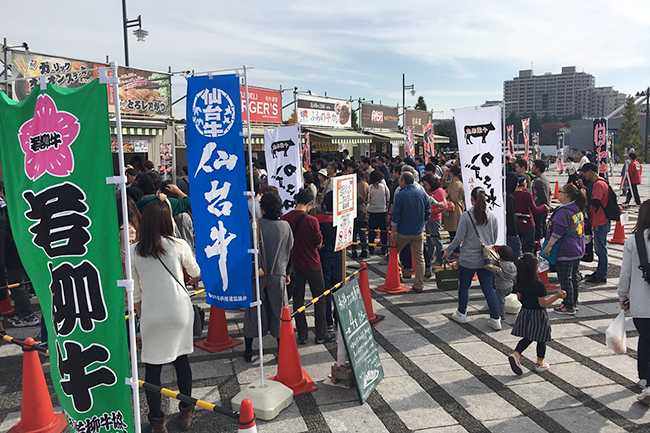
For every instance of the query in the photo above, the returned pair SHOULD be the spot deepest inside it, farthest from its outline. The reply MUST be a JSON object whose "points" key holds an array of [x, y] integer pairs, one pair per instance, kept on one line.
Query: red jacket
{"points": [[305, 241], [438, 195], [634, 171], [525, 205]]}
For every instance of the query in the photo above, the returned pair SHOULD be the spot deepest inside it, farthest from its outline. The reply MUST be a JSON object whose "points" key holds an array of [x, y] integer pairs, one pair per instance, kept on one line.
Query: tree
{"points": [[447, 128], [548, 133], [293, 119], [355, 121], [629, 134], [421, 105]]}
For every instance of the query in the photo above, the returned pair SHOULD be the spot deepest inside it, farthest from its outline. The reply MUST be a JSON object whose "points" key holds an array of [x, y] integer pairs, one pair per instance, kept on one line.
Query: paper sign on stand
{"points": [[345, 209]]}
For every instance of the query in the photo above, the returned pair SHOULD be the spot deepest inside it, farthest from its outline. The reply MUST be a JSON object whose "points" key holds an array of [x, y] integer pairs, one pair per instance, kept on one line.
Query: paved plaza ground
{"points": [[440, 376]]}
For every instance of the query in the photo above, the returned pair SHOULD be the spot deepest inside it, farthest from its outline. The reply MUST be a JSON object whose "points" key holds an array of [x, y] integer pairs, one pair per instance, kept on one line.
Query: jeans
{"points": [[501, 298], [361, 235], [515, 243], [378, 221], [152, 375], [486, 278], [600, 246], [317, 287], [417, 243], [567, 272], [643, 350], [527, 237], [434, 246], [332, 263]]}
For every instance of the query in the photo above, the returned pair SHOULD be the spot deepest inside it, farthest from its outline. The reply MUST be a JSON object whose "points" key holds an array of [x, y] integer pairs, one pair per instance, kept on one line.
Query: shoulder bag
{"points": [[490, 255], [552, 257], [199, 314], [643, 256]]}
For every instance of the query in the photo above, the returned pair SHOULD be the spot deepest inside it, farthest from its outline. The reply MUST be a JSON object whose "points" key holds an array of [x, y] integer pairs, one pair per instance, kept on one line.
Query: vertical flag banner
{"points": [[56, 155], [409, 145], [215, 158], [525, 127], [510, 140], [306, 153], [429, 151], [535, 141], [559, 151], [282, 153], [479, 149], [600, 145]]}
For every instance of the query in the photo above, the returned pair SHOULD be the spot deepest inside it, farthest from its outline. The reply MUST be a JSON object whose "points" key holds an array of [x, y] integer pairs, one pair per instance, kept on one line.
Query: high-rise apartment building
{"points": [[563, 94]]}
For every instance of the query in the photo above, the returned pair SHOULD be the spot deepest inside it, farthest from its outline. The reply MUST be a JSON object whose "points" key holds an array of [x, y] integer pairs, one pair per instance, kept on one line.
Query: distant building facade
{"points": [[563, 94]]}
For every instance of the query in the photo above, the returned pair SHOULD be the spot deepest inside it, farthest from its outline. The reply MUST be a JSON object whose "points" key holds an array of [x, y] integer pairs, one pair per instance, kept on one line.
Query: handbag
{"points": [[199, 314], [490, 255], [447, 276], [552, 257]]}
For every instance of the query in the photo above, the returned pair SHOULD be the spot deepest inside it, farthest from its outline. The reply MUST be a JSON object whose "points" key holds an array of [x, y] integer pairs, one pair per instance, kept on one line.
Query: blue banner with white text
{"points": [[217, 170]]}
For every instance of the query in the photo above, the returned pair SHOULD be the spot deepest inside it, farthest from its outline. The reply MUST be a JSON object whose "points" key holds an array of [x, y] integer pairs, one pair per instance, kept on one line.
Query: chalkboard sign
{"points": [[358, 338]]}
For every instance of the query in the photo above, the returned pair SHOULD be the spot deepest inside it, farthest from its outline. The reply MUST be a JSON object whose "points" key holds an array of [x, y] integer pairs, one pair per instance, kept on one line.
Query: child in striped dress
{"points": [[532, 322]]}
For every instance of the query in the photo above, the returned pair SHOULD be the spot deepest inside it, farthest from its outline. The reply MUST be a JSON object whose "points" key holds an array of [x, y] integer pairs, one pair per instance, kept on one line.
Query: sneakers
{"points": [[406, 273], [329, 336], [354, 255], [644, 397], [562, 309], [540, 368], [642, 383], [515, 365], [494, 324], [427, 273], [302, 340], [595, 280], [459, 317], [31, 320]]}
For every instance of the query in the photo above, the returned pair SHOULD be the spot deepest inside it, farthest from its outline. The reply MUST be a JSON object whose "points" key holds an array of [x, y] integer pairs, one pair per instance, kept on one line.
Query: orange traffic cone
{"points": [[36, 412], [392, 284], [619, 233], [5, 305], [218, 338], [290, 371], [556, 195], [247, 417], [543, 276], [364, 285]]}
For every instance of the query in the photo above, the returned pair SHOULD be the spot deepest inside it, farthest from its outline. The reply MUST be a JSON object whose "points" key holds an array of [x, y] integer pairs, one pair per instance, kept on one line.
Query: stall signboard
{"points": [[319, 111], [358, 338], [345, 210], [142, 92], [266, 105], [418, 119], [378, 117]]}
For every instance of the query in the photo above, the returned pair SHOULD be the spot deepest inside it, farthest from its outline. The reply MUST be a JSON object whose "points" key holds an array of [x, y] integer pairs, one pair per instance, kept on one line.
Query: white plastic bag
{"points": [[512, 304], [615, 336]]}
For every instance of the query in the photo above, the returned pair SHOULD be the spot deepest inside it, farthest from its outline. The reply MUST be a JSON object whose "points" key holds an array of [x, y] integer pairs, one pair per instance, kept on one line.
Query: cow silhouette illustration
{"points": [[283, 146], [477, 131]]}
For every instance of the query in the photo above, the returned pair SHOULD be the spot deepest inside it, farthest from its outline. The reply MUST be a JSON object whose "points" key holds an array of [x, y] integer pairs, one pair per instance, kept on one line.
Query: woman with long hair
{"points": [[378, 202], [164, 306], [566, 229], [276, 244], [455, 195], [476, 225], [634, 294]]}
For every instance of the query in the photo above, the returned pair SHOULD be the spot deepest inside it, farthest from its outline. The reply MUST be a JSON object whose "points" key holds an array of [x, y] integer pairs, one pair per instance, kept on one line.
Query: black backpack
{"points": [[612, 210]]}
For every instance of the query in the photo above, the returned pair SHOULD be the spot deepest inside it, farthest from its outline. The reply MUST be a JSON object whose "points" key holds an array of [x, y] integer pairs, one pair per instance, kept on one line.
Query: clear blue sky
{"points": [[457, 54]]}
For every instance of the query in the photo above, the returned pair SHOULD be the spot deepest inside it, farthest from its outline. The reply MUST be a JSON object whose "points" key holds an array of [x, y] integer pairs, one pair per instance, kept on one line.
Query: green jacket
{"points": [[178, 205]]}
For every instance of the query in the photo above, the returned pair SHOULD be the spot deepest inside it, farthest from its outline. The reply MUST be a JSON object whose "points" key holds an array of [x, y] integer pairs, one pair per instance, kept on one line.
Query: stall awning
{"points": [[139, 127], [437, 139], [395, 138], [342, 136]]}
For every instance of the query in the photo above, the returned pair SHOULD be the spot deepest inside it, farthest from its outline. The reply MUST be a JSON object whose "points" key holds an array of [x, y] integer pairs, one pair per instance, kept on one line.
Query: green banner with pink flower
{"points": [[55, 150]]}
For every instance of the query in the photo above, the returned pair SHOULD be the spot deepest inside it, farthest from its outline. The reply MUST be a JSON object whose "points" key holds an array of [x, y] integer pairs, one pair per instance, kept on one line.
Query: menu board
{"points": [[358, 338]]}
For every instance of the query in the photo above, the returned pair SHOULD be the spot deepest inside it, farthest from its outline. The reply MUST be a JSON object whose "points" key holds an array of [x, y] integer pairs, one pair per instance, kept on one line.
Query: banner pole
{"points": [[254, 229], [128, 283]]}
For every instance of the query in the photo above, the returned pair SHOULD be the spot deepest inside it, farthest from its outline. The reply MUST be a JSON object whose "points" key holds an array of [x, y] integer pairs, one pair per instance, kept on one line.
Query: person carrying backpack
{"points": [[602, 209]]}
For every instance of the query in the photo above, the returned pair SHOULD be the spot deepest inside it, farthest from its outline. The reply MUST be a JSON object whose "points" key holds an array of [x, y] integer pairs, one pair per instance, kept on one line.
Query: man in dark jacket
{"points": [[512, 234]]}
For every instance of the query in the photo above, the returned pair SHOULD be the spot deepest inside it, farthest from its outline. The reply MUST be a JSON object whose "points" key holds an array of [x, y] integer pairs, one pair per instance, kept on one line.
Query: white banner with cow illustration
{"points": [[479, 134], [282, 153]]}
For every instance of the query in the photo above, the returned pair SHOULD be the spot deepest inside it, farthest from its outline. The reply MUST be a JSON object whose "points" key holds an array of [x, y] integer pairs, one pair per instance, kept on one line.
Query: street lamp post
{"points": [[410, 87], [140, 33], [645, 135]]}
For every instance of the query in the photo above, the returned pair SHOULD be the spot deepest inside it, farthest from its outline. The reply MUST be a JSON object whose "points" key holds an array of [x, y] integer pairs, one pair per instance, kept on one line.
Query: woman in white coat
{"points": [[164, 306], [634, 295]]}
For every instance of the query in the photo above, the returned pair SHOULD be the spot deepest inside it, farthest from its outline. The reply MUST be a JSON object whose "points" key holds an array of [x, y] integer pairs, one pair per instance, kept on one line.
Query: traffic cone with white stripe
{"points": [[247, 417]]}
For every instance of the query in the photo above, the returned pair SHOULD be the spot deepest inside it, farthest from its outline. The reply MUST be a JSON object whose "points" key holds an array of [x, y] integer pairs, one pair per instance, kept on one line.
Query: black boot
{"points": [[248, 351]]}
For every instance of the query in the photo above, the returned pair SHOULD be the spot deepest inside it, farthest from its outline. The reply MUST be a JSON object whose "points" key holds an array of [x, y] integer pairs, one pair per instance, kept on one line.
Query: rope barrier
{"points": [[325, 293], [13, 286], [19, 342], [187, 399], [388, 231]]}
